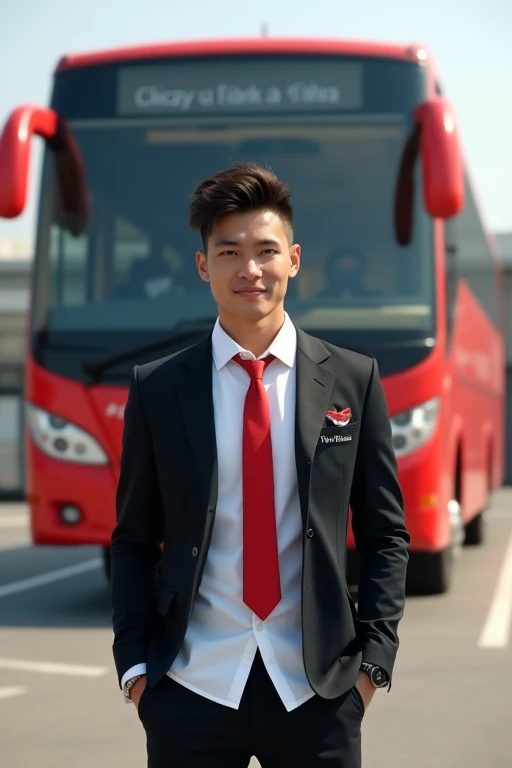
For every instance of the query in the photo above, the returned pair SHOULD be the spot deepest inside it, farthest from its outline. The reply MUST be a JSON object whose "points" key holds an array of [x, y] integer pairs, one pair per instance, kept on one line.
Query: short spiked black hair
{"points": [[242, 187]]}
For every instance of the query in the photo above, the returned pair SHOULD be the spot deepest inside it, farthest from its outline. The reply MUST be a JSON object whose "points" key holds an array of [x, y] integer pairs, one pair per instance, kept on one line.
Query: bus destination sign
{"points": [[191, 88]]}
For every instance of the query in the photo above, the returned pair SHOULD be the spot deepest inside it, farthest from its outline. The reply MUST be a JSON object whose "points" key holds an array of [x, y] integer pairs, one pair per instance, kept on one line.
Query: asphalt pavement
{"points": [[60, 707]]}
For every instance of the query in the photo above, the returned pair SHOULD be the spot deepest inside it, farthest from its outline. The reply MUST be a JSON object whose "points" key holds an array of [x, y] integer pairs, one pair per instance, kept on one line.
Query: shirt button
{"points": [[195, 552], [259, 626], [311, 533]]}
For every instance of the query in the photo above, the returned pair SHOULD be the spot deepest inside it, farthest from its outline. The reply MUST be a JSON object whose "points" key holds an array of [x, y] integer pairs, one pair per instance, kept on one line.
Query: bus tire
{"points": [[429, 573], [107, 562], [474, 531]]}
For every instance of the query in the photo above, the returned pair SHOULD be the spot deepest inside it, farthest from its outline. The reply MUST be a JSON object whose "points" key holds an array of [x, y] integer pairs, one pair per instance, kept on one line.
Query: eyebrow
{"points": [[263, 241]]}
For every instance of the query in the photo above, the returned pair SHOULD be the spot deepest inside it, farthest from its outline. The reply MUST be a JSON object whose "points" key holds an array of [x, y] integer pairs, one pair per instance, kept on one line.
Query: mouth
{"points": [[251, 291]]}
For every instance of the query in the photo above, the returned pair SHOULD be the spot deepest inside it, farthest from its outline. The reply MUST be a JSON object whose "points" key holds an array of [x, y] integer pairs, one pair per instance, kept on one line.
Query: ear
{"points": [[202, 266], [294, 260]]}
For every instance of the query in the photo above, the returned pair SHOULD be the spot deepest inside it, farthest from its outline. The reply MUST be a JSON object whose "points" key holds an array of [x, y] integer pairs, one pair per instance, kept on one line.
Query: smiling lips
{"points": [[251, 291]]}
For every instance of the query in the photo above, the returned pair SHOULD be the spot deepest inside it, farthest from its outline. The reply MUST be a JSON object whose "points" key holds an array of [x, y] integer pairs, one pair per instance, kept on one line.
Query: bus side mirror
{"points": [[436, 140], [441, 156], [15, 145]]}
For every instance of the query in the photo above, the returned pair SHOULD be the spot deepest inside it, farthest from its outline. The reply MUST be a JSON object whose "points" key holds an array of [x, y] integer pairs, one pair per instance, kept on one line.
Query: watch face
{"points": [[378, 676]]}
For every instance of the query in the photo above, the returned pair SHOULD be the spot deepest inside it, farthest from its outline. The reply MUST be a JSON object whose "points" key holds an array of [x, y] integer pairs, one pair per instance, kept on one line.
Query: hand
{"points": [[137, 690], [365, 688]]}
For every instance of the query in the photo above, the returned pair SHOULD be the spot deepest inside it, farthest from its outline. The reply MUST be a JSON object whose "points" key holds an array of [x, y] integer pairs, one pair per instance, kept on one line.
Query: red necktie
{"points": [[261, 585]]}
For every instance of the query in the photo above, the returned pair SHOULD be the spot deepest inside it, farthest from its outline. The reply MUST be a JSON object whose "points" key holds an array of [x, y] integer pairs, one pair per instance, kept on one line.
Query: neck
{"points": [[255, 336]]}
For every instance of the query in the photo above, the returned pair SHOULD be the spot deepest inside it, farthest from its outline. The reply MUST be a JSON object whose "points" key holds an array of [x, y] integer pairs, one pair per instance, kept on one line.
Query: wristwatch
{"points": [[128, 686], [378, 676]]}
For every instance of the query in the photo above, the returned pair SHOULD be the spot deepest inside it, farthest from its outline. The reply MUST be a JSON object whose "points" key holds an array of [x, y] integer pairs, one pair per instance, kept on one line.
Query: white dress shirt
{"points": [[224, 634]]}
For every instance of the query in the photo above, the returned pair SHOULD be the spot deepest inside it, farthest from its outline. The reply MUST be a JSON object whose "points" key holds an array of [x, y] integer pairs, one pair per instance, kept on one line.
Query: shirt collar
{"points": [[284, 346]]}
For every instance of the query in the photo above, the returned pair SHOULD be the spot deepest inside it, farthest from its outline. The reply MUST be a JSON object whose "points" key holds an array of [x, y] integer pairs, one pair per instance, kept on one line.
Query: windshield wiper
{"points": [[183, 332]]}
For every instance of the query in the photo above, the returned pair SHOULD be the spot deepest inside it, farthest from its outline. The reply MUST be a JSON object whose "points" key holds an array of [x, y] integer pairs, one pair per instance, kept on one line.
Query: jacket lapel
{"points": [[194, 391], [314, 387]]}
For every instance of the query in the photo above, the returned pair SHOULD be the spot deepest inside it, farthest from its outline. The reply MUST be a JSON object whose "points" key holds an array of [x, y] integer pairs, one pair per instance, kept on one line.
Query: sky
{"points": [[469, 39]]}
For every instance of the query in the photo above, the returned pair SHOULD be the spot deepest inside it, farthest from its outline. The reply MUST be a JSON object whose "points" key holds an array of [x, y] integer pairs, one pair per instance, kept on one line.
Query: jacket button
{"points": [[311, 533], [195, 552]]}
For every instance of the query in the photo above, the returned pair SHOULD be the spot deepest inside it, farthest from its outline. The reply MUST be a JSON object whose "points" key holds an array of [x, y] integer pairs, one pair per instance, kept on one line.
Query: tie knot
{"points": [[255, 368]]}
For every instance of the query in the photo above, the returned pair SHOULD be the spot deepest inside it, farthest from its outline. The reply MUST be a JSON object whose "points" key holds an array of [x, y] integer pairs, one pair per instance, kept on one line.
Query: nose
{"points": [[250, 269]]}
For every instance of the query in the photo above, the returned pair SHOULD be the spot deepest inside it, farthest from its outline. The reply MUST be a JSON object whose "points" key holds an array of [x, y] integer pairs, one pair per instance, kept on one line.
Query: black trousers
{"points": [[186, 730]]}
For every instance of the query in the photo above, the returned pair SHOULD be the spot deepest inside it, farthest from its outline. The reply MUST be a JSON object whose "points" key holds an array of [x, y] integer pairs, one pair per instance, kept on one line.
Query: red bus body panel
{"points": [[242, 46]]}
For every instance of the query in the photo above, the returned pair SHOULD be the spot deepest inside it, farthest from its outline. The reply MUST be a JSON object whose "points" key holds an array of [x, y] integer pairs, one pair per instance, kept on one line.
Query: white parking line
{"points": [[48, 578], [50, 668], [496, 631], [9, 693]]}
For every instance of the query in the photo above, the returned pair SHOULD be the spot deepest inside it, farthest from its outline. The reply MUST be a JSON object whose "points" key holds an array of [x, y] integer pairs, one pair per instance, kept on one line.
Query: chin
{"points": [[256, 311]]}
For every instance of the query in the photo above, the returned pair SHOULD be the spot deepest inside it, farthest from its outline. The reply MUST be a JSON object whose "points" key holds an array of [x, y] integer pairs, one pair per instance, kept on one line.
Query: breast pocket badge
{"points": [[340, 418]]}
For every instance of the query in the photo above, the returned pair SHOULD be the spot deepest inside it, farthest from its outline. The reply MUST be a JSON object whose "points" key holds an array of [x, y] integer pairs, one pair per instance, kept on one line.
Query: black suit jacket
{"points": [[167, 494]]}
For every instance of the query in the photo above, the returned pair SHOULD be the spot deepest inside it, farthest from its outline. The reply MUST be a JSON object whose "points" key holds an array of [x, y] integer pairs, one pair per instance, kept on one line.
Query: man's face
{"points": [[248, 263]]}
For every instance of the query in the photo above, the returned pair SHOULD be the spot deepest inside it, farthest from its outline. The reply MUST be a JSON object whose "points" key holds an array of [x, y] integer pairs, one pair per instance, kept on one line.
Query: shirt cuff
{"points": [[138, 669]]}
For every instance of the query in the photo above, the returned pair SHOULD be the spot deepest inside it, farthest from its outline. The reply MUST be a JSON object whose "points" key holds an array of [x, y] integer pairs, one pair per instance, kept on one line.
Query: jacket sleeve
{"points": [[136, 538], [379, 530]]}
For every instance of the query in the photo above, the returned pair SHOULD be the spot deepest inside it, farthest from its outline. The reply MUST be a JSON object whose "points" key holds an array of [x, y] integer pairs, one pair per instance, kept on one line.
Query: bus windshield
{"points": [[130, 278]]}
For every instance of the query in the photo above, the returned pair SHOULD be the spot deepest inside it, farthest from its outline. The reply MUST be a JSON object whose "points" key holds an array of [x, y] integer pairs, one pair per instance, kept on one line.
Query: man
{"points": [[344, 273], [241, 455]]}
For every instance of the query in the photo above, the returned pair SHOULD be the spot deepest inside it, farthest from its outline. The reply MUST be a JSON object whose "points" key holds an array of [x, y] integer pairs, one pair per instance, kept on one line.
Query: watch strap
{"points": [[128, 686]]}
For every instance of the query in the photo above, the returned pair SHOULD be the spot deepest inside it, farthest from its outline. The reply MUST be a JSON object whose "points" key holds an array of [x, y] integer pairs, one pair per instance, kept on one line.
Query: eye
{"points": [[227, 253], [270, 250]]}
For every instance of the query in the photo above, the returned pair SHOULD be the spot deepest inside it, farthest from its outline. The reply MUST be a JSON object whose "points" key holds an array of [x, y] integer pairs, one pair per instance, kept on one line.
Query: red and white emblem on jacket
{"points": [[340, 418]]}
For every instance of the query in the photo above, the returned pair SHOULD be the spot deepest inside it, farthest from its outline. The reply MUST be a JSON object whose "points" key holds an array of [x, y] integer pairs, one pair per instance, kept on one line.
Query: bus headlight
{"points": [[62, 440], [411, 429]]}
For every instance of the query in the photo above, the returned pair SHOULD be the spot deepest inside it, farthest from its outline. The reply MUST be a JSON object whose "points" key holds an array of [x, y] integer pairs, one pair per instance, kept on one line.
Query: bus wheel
{"points": [[107, 562], [429, 573], [475, 531]]}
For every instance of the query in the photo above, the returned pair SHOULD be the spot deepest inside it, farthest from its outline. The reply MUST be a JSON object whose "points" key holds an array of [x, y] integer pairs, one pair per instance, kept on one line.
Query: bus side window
{"points": [[474, 260], [450, 266]]}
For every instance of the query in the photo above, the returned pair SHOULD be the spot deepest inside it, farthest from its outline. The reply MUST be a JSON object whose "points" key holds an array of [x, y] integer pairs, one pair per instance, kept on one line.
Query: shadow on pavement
{"points": [[80, 600]]}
